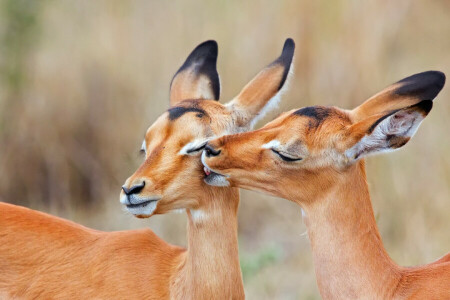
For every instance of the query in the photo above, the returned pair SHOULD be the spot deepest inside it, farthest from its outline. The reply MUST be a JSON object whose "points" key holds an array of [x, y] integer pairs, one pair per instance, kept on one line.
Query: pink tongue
{"points": [[207, 172]]}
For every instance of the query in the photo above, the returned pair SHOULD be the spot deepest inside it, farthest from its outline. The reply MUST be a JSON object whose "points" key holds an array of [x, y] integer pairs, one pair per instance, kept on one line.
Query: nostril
{"points": [[210, 151], [134, 189]]}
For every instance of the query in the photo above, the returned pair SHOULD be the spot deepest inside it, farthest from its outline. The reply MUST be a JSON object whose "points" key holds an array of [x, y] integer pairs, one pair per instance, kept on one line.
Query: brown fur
{"points": [[42, 256], [189, 91], [349, 257], [55, 258]]}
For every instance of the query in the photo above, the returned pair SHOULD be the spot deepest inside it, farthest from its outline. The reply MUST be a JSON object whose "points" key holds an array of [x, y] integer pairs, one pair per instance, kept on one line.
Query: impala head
{"points": [[302, 152], [171, 177]]}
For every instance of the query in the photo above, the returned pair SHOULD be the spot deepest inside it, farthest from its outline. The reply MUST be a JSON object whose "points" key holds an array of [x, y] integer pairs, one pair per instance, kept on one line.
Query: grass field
{"points": [[80, 82]]}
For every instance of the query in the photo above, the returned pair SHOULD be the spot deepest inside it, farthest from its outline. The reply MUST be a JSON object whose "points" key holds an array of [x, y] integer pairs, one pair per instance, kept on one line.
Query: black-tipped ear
{"points": [[384, 133], [252, 102], [285, 59], [406, 92], [423, 86], [197, 78]]}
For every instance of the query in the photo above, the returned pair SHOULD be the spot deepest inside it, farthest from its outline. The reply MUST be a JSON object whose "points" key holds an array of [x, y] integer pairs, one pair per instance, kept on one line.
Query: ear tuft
{"points": [[197, 78], [285, 59], [425, 85]]}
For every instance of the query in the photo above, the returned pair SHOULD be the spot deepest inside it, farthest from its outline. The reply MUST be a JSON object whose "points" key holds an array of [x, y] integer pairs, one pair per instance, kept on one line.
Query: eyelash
{"points": [[286, 158], [196, 149]]}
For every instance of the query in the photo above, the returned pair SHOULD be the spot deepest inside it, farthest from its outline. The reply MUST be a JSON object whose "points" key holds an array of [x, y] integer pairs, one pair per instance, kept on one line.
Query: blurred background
{"points": [[80, 82]]}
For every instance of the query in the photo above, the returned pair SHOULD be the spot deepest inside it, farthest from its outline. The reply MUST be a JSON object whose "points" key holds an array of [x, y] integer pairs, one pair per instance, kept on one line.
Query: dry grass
{"points": [[81, 81]]}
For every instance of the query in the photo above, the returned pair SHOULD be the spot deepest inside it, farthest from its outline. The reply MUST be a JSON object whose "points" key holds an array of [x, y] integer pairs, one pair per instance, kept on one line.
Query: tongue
{"points": [[207, 171]]}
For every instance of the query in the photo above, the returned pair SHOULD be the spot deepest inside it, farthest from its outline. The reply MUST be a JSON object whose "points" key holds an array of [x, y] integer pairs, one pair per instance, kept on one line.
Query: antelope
{"points": [[42, 256], [314, 156]]}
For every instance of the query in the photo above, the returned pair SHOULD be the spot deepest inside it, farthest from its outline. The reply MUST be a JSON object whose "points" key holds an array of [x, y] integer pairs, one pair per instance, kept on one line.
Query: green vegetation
{"points": [[255, 262]]}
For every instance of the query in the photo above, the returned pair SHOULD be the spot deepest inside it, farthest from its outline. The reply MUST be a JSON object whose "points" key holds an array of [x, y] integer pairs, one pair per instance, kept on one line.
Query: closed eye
{"points": [[191, 151], [284, 157]]}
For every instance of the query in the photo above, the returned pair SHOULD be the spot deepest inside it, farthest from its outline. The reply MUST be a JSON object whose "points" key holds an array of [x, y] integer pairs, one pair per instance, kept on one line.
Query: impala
{"points": [[314, 156], [45, 257]]}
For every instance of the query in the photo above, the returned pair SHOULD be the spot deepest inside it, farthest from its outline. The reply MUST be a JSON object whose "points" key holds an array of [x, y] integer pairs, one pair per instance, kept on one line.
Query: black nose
{"points": [[134, 189], [210, 151]]}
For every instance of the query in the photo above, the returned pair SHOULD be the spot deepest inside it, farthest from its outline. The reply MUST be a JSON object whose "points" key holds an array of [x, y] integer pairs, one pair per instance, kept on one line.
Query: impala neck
{"points": [[349, 257], [211, 268]]}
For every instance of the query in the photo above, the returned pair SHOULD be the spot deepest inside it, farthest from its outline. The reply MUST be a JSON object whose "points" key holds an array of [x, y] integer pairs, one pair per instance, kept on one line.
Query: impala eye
{"points": [[191, 151], [284, 157]]}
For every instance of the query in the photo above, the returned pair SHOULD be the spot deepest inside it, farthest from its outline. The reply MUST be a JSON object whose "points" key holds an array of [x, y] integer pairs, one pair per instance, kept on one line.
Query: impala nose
{"points": [[135, 189], [210, 151]]}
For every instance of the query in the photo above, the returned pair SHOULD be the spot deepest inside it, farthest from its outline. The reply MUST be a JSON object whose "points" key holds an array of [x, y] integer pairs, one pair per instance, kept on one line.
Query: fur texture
{"points": [[330, 185]]}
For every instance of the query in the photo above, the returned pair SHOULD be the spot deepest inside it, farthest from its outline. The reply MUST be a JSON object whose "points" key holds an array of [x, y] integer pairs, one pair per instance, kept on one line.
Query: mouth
{"points": [[144, 209], [215, 179], [140, 205]]}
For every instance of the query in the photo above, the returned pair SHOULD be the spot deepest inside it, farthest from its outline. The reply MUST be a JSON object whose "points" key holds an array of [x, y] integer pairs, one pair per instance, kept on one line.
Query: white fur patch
{"points": [[217, 180], [214, 179], [400, 124], [272, 104], [198, 215], [250, 119], [272, 144], [192, 145], [144, 147], [303, 213]]}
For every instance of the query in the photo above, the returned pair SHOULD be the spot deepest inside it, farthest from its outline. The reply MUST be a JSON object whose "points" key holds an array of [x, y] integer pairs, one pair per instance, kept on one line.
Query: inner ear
{"points": [[197, 78], [388, 132]]}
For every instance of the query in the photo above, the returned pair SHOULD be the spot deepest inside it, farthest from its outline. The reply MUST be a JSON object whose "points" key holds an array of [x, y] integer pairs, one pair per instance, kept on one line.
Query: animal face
{"points": [[172, 177], [303, 152]]}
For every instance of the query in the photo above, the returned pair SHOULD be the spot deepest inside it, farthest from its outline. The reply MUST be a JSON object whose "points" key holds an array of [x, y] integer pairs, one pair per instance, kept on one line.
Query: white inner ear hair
{"points": [[272, 104], [401, 125]]}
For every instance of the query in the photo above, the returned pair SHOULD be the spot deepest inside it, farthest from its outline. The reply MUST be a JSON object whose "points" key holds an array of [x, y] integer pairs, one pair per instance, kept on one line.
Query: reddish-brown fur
{"points": [[45, 257], [329, 183]]}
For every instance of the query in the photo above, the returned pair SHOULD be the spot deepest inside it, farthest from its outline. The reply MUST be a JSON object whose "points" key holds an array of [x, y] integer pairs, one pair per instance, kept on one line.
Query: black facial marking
{"points": [[425, 85], [317, 113], [203, 61], [178, 111], [285, 59]]}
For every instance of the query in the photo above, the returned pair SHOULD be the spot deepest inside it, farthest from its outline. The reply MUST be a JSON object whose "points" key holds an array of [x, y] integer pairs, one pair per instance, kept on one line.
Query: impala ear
{"points": [[257, 97], [406, 92], [197, 78], [385, 132]]}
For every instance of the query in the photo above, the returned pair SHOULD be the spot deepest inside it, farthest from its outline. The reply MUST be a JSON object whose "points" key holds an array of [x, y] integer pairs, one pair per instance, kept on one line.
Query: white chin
{"points": [[145, 209], [215, 179]]}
